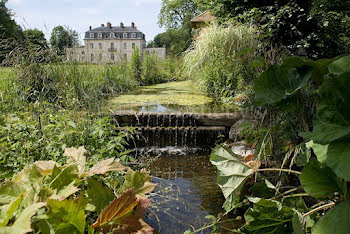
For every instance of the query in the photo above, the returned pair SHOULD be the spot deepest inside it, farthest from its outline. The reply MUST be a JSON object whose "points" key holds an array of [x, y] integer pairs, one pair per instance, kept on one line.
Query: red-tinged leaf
{"points": [[106, 166], [118, 208], [124, 215]]}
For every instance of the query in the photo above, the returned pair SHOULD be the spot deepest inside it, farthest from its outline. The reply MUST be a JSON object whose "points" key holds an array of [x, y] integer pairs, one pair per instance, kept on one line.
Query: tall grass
{"points": [[224, 59]]}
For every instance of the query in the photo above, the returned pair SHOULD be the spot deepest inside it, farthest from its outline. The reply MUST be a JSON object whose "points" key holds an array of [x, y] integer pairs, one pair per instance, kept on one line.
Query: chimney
{"points": [[102, 25], [90, 28], [121, 25], [132, 24], [109, 25]]}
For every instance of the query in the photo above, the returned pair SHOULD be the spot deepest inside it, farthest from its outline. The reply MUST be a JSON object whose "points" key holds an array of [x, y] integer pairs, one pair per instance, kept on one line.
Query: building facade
{"points": [[109, 44]]}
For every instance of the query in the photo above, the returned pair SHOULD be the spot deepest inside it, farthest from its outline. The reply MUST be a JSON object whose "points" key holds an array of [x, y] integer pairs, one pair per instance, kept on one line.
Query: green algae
{"points": [[183, 93]]}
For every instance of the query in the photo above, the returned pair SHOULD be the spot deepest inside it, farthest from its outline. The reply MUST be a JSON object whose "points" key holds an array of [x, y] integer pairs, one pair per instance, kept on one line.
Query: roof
{"points": [[115, 29], [206, 16]]}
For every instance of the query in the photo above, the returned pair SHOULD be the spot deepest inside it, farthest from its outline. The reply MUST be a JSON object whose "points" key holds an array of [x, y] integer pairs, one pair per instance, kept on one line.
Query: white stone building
{"points": [[108, 44]]}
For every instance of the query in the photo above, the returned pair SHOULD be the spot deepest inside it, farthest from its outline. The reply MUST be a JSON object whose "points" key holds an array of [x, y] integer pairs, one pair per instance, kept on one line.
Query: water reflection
{"points": [[186, 194]]}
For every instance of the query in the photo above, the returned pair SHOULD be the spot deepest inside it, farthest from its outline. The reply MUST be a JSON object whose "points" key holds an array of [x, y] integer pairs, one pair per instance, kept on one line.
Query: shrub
{"points": [[225, 59], [136, 65]]}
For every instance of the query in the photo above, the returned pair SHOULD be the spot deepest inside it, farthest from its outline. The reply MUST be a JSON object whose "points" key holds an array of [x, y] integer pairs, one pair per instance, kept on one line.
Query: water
{"points": [[187, 190], [175, 97]]}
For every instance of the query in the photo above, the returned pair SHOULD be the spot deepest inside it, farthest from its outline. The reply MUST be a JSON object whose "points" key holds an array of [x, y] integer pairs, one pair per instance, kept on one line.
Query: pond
{"points": [[183, 96]]}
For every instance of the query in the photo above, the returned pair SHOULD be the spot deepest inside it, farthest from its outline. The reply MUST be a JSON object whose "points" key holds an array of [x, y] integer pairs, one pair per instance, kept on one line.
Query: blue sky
{"points": [[80, 14]]}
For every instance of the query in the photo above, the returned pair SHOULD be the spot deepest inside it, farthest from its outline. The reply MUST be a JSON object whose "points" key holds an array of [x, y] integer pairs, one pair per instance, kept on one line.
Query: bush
{"points": [[136, 65], [225, 59]]}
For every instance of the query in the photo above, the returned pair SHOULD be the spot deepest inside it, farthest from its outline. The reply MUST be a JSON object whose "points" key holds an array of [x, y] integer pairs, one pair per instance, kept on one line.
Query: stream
{"points": [[187, 191]]}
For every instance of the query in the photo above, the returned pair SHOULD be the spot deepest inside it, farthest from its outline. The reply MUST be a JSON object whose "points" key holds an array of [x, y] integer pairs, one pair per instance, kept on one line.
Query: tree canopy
{"points": [[35, 37], [316, 28], [10, 31], [175, 16], [63, 37]]}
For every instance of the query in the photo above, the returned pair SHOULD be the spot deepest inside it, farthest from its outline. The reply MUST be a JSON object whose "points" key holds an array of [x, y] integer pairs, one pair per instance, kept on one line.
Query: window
{"points": [[125, 46], [112, 35], [125, 35], [133, 35], [112, 46], [112, 57], [99, 57], [92, 35], [133, 45], [92, 57], [125, 56], [100, 35], [91, 45], [100, 46]]}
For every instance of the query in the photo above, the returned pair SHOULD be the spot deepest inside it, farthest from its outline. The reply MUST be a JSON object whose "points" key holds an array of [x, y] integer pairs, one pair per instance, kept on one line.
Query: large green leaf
{"points": [[338, 158], [138, 180], [62, 177], [267, 216], [98, 195], [23, 222], [318, 181], [333, 116], [319, 150], [340, 66], [335, 221], [232, 175], [7, 211], [281, 81], [67, 216]]}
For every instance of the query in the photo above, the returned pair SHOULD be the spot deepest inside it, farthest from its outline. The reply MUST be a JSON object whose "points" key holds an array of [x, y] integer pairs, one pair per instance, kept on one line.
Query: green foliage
{"points": [[25, 139], [50, 198], [175, 16], [324, 178], [136, 64], [268, 216], [335, 221], [35, 37], [63, 37], [223, 59], [232, 175], [176, 40], [316, 28], [322, 186], [9, 30]]}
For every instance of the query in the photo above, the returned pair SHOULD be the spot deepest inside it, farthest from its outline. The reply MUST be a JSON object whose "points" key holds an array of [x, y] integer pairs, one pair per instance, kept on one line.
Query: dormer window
{"points": [[100, 35], [125, 35], [133, 35], [112, 35], [92, 35]]}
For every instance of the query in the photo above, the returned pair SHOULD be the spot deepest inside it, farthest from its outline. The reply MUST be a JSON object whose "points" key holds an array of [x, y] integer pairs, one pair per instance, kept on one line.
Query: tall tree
{"points": [[35, 37], [63, 37], [175, 16], [10, 32]]}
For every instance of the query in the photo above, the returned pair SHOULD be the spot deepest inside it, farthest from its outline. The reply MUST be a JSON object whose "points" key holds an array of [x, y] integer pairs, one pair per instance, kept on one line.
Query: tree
{"points": [[63, 37], [10, 32], [316, 28], [175, 16], [35, 37], [175, 41]]}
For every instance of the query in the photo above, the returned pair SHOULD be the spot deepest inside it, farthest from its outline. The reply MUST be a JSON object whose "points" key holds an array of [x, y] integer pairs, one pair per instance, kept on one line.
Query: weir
{"points": [[153, 129]]}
